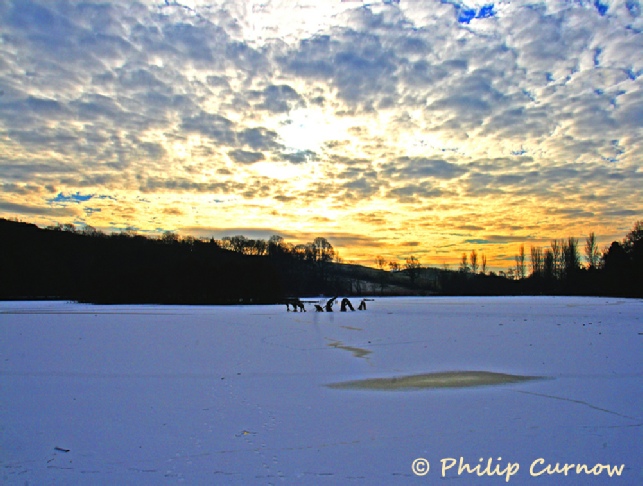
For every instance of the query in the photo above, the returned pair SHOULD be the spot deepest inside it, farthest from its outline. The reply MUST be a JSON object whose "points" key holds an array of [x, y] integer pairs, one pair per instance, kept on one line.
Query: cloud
{"points": [[181, 185], [414, 168], [360, 188], [356, 63], [278, 99], [410, 193], [245, 157], [214, 126], [497, 239], [622, 213], [25, 209], [258, 138], [299, 157]]}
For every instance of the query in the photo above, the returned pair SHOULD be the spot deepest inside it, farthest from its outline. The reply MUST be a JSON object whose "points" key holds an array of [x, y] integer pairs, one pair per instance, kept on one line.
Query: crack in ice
{"points": [[577, 401]]}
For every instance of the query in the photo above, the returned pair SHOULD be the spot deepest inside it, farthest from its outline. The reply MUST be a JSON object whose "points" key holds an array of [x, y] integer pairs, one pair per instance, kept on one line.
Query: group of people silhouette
{"points": [[345, 304]]}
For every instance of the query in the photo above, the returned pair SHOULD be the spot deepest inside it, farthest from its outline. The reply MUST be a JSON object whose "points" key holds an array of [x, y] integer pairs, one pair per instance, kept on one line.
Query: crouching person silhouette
{"points": [[329, 304], [346, 303]]}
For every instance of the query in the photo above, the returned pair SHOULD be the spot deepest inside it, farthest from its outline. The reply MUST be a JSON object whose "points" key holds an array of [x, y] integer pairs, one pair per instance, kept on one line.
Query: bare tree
{"points": [[571, 258], [300, 252], [412, 267], [484, 264], [634, 240], [91, 231], [237, 243], [276, 245], [520, 263], [323, 250], [474, 261], [380, 261], [591, 251], [464, 264], [394, 266], [556, 256], [549, 265], [169, 237], [257, 247], [189, 241], [536, 261], [310, 253]]}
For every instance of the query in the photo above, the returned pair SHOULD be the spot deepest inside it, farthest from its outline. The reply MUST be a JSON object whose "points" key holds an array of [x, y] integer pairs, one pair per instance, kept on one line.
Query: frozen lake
{"points": [[487, 390]]}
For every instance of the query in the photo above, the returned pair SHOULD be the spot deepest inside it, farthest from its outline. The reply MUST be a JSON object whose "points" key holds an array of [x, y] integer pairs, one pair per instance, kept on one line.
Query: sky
{"points": [[392, 127]]}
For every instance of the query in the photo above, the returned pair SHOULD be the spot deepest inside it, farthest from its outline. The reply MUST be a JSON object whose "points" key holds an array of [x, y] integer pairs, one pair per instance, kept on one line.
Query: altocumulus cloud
{"points": [[479, 114]]}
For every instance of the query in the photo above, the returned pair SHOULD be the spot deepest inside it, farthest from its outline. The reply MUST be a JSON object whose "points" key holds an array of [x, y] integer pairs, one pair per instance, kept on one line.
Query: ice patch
{"points": [[449, 379]]}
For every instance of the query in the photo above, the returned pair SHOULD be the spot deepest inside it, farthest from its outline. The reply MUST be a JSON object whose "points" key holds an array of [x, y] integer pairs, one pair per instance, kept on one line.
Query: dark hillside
{"points": [[89, 266], [40, 263]]}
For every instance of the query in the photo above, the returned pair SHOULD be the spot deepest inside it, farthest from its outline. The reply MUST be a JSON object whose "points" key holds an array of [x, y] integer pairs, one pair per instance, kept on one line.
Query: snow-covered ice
{"points": [[240, 395]]}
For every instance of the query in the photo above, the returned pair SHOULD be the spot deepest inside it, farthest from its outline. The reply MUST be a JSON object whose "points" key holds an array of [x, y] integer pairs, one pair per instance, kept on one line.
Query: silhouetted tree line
{"points": [[567, 268], [89, 266], [563, 268]]}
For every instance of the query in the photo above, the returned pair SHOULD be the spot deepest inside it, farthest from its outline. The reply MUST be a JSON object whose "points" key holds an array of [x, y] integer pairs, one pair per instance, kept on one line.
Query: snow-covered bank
{"points": [[239, 395]]}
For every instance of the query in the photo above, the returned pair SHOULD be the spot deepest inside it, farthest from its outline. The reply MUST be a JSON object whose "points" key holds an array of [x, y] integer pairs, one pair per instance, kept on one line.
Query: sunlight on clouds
{"points": [[289, 22], [180, 150], [311, 128], [288, 176]]}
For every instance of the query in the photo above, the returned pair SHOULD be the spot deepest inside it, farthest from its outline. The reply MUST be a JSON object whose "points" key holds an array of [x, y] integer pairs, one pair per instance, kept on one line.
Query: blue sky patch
{"points": [[618, 151], [529, 94], [479, 241], [485, 12], [634, 7], [601, 7], [72, 198], [466, 14]]}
